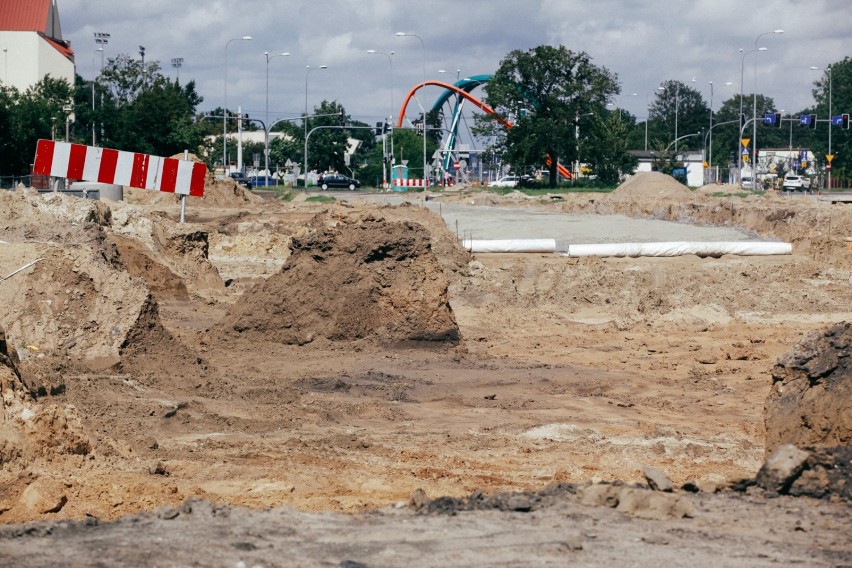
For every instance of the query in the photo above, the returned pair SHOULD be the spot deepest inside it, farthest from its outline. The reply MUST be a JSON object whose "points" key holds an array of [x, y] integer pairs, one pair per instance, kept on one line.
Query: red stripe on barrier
{"points": [[44, 157], [76, 161], [139, 175], [109, 159], [170, 172], [196, 186]]}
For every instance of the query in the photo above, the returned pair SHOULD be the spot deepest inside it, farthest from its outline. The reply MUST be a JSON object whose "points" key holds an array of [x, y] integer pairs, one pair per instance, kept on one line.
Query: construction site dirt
{"points": [[299, 383]]}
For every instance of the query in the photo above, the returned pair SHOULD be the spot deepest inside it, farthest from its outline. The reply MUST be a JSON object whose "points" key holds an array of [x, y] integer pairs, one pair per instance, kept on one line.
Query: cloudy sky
{"points": [[643, 42]]}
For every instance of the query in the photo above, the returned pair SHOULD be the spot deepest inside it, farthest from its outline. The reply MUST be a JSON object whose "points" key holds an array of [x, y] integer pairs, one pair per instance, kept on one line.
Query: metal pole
{"points": [[830, 124], [390, 118], [266, 129], [308, 70], [710, 144], [754, 108], [423, 47], [225, 109]]}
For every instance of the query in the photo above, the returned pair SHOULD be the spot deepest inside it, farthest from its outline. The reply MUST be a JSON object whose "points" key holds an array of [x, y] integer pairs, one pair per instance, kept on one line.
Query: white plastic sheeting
{"points": [[678, 248], [510, 245], [715, 249]]}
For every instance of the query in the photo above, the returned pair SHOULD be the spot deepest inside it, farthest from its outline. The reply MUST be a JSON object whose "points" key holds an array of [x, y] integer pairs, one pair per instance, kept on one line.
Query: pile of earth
{"points": [[652, 184], [364, 278]]}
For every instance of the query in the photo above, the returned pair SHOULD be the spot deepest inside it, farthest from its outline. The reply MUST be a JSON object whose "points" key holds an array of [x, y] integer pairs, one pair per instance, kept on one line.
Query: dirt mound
{"points": [[217, 192], [810, 403], [366, 278], [652, 184]]}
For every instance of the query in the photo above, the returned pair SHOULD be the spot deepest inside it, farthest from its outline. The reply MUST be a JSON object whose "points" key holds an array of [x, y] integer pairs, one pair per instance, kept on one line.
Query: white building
{"points": [[31, 44]]}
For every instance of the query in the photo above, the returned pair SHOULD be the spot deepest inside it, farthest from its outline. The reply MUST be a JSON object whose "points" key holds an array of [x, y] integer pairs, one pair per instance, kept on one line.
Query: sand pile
{"points": [[652, 184], [366, 278]]}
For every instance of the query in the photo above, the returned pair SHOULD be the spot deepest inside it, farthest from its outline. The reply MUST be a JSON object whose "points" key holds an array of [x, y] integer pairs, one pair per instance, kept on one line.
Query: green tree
{"points": [[544, 90], [143, 111], [678, 104], [327, 146], [606, 149], [40, 112]]}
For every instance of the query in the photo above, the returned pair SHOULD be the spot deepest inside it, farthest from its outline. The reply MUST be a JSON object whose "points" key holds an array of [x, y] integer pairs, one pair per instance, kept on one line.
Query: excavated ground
{"points": [[162, 362]]}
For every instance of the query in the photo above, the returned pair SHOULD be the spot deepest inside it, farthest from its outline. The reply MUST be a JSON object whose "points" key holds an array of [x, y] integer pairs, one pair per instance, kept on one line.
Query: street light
{"points": [[754, 108], [423, 47], [94, 79], [308, 70], [390, 117], [830, 120], [266, 124], [710, 131], [225, 111], [742, 78], [177, 63]]}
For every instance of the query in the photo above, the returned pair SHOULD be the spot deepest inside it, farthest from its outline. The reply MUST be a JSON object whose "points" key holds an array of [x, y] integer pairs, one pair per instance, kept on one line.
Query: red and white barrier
{"points": [[104, 165], [409, 183]]}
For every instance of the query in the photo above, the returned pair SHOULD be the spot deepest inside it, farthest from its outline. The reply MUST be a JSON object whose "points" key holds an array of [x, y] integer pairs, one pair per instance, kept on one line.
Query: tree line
{"points": [[559, 102]]}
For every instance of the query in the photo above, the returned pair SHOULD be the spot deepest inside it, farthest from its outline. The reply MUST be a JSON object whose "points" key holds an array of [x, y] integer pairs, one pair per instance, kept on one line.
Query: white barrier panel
{"points": [[510, 245], [409, 183], [105, 165], [714, 249]]}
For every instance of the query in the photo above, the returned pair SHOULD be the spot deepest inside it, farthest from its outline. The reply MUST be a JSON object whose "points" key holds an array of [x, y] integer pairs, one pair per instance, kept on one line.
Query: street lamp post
{"points": [[742, 78], [266, 128], [225, 110], [754, 108], [423, 47], [830, 121], [308, 70], [177, 63], [390, 117], [94, 80], [101, 39]]}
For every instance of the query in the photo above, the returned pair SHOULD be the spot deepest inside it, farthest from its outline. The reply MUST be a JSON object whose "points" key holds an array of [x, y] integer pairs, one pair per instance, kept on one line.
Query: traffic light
{"points": [[742, 120], [845, 121], [379, 127], [777, 120], [812, 122]]}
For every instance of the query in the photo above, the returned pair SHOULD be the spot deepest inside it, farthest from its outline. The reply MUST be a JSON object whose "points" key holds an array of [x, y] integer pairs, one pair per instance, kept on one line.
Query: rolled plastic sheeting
{"points": [[714, 249], [510, 245]]}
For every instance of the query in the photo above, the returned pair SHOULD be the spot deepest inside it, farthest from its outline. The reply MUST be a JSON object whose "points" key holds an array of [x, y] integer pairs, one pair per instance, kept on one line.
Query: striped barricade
{"points": [[104, 165]]}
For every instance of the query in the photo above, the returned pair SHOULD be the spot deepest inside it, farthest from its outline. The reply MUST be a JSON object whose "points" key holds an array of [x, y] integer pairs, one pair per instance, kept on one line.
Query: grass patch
{"points": [[320, 199]]}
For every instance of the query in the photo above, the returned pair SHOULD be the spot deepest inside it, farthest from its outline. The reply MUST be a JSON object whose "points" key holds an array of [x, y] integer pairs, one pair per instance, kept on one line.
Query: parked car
{"points": [[241, 179], [796, 182], [505, 181], [326, 181], [747, 183]]}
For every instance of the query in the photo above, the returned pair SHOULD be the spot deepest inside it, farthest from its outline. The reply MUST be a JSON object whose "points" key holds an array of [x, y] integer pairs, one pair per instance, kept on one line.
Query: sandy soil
{"points": [[162, 362]]}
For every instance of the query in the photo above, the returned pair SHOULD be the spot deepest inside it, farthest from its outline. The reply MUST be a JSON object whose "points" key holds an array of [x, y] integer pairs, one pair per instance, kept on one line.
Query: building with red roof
{"points": [[31, 44]]}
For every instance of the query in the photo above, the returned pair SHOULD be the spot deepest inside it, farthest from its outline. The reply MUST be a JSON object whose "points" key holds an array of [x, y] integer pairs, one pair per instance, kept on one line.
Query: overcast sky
{"points": [[643, 43]]}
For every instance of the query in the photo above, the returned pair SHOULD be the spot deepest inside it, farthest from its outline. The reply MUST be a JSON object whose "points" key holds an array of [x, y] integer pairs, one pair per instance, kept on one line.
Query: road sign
{"points": [[706, 165], [456, 165], [744, 152], [829, 157], [745, 141], [828, 167]]}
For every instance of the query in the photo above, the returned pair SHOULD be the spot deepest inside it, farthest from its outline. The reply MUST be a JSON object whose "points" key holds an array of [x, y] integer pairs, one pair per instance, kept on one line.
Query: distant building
{"points": [[31, 44]]}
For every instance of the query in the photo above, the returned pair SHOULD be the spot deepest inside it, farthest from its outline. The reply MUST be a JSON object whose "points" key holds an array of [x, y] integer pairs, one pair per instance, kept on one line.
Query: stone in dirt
{"points": [[364, 279], [782, 468], [810, 402], [657, 479]]}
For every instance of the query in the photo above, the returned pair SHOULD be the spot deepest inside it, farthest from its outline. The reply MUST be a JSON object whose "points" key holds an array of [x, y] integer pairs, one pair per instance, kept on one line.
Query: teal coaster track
{"points": [[461, 90]]}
